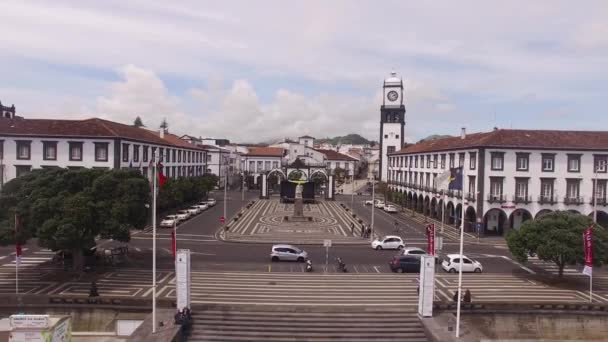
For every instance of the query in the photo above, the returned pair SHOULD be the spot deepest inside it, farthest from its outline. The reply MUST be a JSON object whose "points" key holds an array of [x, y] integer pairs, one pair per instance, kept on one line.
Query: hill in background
{"points": [[354, 139]]}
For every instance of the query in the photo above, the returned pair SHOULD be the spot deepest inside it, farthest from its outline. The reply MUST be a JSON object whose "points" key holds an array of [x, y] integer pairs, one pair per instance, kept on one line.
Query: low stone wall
{"points": [[519, 322]]}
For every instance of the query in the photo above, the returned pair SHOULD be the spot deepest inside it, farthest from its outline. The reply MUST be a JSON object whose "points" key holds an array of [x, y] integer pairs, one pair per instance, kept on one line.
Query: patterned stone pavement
{"points": [[270, 221]]}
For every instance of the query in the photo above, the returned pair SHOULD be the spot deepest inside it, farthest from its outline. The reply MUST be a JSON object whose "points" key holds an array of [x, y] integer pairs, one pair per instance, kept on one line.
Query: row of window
{"points": [[169, 171], [262, 165], [49, 150], [434, 161], [165, 154], [547, 186], [497, 161], [522, 162]]}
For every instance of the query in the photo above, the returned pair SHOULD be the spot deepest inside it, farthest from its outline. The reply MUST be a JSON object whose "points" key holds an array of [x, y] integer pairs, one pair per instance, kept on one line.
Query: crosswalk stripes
{"points": [[249, 323], [294, 289], [551, 267], [39, 257], [507, 288]]}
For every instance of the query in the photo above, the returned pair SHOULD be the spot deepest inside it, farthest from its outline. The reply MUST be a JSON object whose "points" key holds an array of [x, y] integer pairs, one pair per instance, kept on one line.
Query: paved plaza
{"points": [[270, 221]]}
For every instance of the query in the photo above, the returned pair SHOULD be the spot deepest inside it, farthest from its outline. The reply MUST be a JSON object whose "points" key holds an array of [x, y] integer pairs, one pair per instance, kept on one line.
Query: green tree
{"points": [[558, 237], [138, 123], [295, 175], [340, 175], [68, 209], [382, 188]]}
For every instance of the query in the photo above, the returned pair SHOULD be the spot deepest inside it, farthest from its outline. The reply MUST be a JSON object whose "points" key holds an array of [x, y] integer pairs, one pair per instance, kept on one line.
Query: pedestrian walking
{"points": [[352, 228], [362, 230], [369, 232], [93, 293], [396, 226], [467, 296], [455, 298]]}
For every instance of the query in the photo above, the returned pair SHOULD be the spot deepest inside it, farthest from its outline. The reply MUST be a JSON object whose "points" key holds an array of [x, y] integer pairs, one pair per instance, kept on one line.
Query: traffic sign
{"points": [[222, 220]]}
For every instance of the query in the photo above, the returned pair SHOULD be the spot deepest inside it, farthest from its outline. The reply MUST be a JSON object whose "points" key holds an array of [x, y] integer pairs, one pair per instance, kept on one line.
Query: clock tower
{"points": [[392, 121]]}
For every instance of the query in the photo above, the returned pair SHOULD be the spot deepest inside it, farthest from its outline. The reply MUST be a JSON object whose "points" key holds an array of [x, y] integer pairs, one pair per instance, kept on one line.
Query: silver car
{"points": [[288, 253]]}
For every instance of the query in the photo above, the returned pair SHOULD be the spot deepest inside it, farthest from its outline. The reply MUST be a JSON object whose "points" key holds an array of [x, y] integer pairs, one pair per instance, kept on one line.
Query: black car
{"points": [[405, 263]]}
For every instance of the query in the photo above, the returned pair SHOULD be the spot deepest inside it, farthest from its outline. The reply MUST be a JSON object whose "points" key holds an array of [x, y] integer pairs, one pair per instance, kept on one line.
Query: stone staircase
{"points": [[304, 323]]}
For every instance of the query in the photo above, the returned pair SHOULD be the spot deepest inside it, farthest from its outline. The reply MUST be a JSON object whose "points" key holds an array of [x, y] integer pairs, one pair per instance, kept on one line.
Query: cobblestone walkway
{"points": [[270, 221]]}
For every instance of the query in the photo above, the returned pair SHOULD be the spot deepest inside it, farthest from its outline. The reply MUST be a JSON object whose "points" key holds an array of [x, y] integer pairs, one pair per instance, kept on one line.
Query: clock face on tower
{"points": [[392, 96]]}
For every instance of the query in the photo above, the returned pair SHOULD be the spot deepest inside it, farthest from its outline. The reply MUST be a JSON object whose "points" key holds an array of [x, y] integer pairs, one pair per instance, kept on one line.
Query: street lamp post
{"points": [[371, 236], [352, 195]]}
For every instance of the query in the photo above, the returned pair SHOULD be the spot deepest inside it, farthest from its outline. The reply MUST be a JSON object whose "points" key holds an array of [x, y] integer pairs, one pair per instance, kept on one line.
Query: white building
{"points": [[510, 176], [27, 144]]}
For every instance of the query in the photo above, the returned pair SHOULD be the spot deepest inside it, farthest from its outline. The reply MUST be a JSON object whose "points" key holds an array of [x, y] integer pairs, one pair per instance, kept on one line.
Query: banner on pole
{"points": [[430, 239], [588, 245], [182, 278]]}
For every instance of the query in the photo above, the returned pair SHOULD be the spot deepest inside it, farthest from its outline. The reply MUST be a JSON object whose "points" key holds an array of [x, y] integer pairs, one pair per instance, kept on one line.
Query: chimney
{"points": [[162, 133], [495, 128], [463, 133]]}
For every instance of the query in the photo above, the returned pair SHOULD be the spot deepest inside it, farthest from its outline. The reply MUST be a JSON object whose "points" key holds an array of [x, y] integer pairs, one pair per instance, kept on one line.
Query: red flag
{"points": [[430, 239], [588, 245], [161, 177], [173, 244]]}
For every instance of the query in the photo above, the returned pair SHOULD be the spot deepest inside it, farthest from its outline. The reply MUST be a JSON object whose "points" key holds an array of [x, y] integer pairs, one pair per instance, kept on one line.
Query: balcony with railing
{"points": [[519, 199], [471, 197], [496, 198], [547, 199], [574, 200], [599, 201]]}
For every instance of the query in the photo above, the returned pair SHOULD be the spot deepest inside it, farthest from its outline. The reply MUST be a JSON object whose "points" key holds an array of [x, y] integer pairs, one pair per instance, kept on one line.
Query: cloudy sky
{"points": [[258, 70]]}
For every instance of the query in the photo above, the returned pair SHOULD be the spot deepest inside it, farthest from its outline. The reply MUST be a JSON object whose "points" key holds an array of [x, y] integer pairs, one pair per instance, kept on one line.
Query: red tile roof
{"points": [[265, 152], [517, 138], [333, 155], [177, 141], [89, 128]]}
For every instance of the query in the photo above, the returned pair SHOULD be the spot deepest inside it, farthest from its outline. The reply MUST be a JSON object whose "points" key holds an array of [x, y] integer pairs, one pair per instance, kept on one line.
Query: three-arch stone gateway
{"points": [[306, 173]]}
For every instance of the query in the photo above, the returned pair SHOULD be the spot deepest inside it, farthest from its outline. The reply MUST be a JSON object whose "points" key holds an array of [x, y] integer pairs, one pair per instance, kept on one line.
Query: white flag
{"points": [[443, 180]]}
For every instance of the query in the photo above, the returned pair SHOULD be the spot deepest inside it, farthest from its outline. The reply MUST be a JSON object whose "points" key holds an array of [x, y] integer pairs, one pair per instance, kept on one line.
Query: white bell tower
{"points": [[392, 121]]}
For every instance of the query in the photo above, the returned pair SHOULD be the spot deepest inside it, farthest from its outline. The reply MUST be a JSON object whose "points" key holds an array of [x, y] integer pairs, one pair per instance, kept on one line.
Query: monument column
{"points": [[264, 187]]}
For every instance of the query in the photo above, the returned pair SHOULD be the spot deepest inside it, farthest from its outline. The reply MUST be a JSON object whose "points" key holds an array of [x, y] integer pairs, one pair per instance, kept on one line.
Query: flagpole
{"points": [[17, 257], [154, 177], [461, 250]]}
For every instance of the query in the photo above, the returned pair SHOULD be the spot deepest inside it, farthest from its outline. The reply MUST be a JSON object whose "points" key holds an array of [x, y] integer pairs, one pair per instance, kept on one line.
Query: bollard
{"points": [[269, 268]]}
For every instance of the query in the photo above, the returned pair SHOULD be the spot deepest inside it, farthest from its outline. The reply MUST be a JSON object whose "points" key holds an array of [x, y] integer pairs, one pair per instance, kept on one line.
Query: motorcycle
{"points": [[308, 266], [341, 265]]}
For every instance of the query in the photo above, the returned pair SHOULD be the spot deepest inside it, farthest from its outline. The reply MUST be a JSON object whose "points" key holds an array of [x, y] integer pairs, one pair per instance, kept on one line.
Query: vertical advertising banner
{"points": [[430, 238], [588, 245], [182, 278], [427, 286]]}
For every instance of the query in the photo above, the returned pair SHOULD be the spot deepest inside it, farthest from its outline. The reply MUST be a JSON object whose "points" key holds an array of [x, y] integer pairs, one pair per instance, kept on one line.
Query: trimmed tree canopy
{"points": [[558, 237], [68, 209]]}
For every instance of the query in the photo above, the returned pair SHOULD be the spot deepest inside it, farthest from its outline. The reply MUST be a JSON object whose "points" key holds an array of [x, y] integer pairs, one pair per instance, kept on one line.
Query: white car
{"points": [[452, 264], [388, 242], [194, 210], [169, 221], [379, 204], [371, 202], [389, 208], [203, 206], [412, 251], [211, 202], [183, 215]]}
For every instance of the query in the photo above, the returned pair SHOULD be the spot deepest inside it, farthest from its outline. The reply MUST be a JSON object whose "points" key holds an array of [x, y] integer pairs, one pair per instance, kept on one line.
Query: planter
{"points": [[285, 218], [360, 221], [236, 219], [354, 215]]}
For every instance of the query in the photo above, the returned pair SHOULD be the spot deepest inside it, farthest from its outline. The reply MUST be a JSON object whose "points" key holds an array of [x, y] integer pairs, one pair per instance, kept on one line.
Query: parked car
{"points": [[452, 264], [169, 221], [211, 202], [288, 253], [389, 208], [388, 242], [405, 263], [194, 210], [379, 204], [203, 206], [183, 215]]}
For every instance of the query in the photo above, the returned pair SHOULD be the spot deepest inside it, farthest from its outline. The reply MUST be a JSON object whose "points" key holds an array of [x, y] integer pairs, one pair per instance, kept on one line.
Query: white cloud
{"points": [[244, 63]]}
